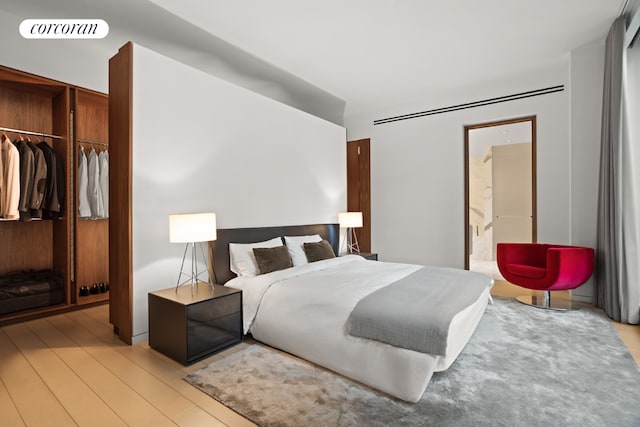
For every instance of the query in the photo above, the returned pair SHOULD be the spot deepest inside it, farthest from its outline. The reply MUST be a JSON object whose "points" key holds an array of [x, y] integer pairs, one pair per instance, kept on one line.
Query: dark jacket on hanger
{"points": [[55, 188], [27, 169], [60, 184], [39, 181]]}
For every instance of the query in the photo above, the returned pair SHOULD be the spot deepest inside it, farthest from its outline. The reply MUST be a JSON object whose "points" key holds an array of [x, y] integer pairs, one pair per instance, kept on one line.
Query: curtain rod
{"points": [[27, 132]]}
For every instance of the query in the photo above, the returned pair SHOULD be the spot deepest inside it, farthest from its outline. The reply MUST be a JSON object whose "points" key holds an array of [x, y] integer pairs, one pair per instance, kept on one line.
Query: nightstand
{"points": [[190, 326], [369, 255]]}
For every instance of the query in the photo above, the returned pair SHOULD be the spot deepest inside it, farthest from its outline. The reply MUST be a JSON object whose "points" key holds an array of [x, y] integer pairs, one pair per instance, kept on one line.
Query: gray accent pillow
{"points": [[272, 259], [318, 251]]}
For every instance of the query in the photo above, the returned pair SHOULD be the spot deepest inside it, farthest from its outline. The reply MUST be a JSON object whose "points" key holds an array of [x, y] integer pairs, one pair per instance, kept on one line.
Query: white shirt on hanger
{"points": [[92, 186], [10, 180], [103, 162], [84, 210]]}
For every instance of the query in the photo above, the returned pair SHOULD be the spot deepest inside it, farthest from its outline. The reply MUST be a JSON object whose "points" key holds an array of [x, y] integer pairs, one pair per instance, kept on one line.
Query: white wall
{"points": [[587, 74], [416, 164], [417, 169], [203, 144], [79, 62], [85, 62]]}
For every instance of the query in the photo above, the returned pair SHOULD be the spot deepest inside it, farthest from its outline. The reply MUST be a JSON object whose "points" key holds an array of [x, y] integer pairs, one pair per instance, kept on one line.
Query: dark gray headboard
{"points": [[219, 270]]}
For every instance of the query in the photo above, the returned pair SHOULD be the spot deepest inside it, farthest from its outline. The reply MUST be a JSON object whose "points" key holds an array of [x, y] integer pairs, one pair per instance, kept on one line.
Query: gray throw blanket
{"points": [[415, 312]]}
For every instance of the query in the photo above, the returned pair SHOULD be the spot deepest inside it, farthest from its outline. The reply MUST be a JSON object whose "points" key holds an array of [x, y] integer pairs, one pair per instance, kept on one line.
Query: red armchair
{"points": [[545, 268]]}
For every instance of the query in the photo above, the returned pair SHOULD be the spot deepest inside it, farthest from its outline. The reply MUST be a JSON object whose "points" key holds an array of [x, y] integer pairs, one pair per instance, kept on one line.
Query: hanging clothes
{"points": [[27, 169], [55, 188], [49, 189], [39, 181], [1, 174], [103, 161], [100, 211], [10, 180], [92, 186], [60, 186], [84, 210]]}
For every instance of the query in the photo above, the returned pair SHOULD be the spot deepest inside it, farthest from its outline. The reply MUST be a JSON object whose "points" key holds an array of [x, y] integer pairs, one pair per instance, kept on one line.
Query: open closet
{"points": [[91, 118], [46, 253]]}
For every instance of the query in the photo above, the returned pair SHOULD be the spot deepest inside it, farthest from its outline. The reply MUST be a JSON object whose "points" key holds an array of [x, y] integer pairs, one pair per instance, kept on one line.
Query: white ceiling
{"points": [[372, 54]]}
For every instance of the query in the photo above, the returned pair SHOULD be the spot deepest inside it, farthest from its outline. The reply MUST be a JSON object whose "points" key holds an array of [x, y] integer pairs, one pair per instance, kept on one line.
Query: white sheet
{"points": [[303, 310]]}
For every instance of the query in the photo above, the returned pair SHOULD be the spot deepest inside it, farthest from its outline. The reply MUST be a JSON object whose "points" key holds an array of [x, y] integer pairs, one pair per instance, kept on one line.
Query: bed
{"points": [[306, 310]]}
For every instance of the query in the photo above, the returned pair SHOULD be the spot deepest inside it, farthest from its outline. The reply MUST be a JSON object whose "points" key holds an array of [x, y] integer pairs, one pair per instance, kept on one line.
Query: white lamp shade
{"points": [[196, 227], [350, 219]]}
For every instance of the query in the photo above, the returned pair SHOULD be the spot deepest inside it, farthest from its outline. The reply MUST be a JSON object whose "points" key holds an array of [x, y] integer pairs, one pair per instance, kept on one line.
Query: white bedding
{"points": [[303, 310]]}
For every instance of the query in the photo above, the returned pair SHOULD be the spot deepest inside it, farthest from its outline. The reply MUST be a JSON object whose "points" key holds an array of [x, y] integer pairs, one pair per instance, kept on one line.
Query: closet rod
{"points": [[27, 132], [88, 141]]}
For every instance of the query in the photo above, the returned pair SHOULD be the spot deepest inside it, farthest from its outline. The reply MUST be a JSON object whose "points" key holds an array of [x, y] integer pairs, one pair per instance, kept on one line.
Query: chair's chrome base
{"points": [[545, 302]]}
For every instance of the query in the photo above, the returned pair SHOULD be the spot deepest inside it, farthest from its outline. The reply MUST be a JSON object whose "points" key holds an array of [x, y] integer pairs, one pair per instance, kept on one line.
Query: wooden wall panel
{"points": [[92, 116], [27, 110], [92, 255], [25, 244], [359, 188]]}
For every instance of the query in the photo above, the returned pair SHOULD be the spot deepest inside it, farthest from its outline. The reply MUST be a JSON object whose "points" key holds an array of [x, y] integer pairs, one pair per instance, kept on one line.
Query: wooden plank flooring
{"points": [[70, 369]]}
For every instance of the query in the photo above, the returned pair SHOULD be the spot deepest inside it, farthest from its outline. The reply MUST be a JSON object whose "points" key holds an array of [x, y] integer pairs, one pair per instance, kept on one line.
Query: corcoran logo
{"points": [[64, 29]]}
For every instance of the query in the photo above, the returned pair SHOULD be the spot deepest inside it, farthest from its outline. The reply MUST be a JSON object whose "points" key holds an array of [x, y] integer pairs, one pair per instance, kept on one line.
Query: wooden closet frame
{"points": [[120, 192], [33, 103]]}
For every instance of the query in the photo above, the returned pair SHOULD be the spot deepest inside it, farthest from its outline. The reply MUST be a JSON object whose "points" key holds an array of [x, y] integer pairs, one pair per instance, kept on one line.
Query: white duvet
{"points": [[303, 310]]}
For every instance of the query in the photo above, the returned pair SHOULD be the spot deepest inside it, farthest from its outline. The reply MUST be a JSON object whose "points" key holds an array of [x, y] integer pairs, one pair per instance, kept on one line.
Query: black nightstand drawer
{"points": [[205, 311], [204, 338], [188, 325]]}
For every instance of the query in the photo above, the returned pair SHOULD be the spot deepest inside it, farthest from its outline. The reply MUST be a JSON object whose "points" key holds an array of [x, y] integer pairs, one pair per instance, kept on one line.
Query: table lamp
{"points": [[351, 221], [192, 228]]}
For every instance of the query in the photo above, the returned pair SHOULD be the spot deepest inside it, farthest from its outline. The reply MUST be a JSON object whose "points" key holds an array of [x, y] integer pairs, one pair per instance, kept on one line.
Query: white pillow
{"points": [[242, 260], [295, 244]]}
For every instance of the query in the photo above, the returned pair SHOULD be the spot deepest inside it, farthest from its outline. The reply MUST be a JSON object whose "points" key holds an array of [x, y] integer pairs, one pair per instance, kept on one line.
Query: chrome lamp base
{"points": [[192, 277], [352, 242]]}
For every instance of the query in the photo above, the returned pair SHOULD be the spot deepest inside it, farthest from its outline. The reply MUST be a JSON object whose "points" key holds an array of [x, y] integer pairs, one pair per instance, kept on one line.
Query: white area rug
{"points": [[523, 367]]}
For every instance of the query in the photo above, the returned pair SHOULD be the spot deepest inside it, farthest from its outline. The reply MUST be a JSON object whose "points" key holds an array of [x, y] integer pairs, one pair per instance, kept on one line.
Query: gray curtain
{"points": [[617, 285]]}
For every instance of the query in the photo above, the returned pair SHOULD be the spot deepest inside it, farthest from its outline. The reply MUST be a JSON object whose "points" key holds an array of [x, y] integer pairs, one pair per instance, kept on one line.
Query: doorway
{"points": [[500, 189]]}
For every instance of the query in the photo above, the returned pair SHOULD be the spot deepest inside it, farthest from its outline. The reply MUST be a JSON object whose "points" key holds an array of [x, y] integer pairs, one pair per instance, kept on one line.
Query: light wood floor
{"points": [[70, 369]]}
